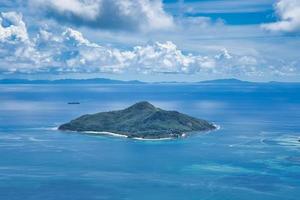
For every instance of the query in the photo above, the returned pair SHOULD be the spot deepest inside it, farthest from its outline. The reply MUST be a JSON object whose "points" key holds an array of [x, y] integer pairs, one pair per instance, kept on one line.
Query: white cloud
{"points": [[87, 9], [288, 12], [18, 52], [68, 51], [14, 29], [145, 15], [161, 58], [76, 38], [247, 60], [223, 55]]}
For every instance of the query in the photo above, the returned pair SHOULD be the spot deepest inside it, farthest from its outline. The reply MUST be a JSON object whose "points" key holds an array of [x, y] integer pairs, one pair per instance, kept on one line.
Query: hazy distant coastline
{"points": [[112, 81]]}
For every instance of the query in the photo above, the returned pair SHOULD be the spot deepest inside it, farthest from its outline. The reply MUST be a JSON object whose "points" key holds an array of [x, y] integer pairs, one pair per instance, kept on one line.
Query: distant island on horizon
{"points": [[112, 81], [141, 121]]}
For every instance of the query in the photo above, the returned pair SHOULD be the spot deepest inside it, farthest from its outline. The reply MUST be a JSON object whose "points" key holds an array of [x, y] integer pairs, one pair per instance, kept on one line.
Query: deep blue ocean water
{"points": [[255, 154]]}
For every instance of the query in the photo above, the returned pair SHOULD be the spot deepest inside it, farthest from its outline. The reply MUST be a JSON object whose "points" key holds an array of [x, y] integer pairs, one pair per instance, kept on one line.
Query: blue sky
{"points": [[151, 40]]}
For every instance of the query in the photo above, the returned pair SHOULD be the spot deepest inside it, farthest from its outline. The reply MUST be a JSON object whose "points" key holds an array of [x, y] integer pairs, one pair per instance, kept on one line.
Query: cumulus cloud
{"points": [[142, 15], [161, 58], [17, 50], [68, 51], [76, 38], [288, 12], [12, 27]]}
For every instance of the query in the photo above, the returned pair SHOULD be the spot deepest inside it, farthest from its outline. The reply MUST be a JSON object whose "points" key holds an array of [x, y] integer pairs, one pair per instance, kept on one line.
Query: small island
{"points": [[140, 121]]}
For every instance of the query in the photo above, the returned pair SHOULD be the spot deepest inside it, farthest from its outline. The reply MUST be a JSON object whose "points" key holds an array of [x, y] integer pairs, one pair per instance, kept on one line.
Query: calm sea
{"points": [[255, 154]]}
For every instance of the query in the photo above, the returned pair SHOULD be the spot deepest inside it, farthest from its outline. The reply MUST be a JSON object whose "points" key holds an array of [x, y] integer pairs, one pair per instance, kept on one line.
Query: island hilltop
{"points": [[141, 120]]}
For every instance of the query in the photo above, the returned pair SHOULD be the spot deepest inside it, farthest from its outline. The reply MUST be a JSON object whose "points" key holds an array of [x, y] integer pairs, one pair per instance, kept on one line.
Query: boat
{"points": [[72, 103]]}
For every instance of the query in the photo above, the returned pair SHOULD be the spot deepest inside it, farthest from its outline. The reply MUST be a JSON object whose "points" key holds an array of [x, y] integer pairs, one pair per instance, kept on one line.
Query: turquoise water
{"points": [[255, 154]]}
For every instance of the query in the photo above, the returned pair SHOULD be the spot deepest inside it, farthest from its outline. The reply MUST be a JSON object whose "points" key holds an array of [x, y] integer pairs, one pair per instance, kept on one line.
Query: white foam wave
{"points": [[33, 139], [105, 133], [45, 128], [218, 127], [154, 139], [8, 137]]}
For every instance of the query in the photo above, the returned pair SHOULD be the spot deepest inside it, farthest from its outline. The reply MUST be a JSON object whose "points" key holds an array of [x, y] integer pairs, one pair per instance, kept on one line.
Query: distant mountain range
{"points": [[226, 81], [111, 81]]}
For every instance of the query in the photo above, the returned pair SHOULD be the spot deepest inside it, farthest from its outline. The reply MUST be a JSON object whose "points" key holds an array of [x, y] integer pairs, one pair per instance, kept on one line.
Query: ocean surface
{"points": [[255, 154]]}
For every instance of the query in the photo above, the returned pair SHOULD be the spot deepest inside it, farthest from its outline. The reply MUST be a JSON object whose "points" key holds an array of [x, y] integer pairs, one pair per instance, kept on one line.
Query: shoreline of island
{"points": [[107, 133], [122, 135]]}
